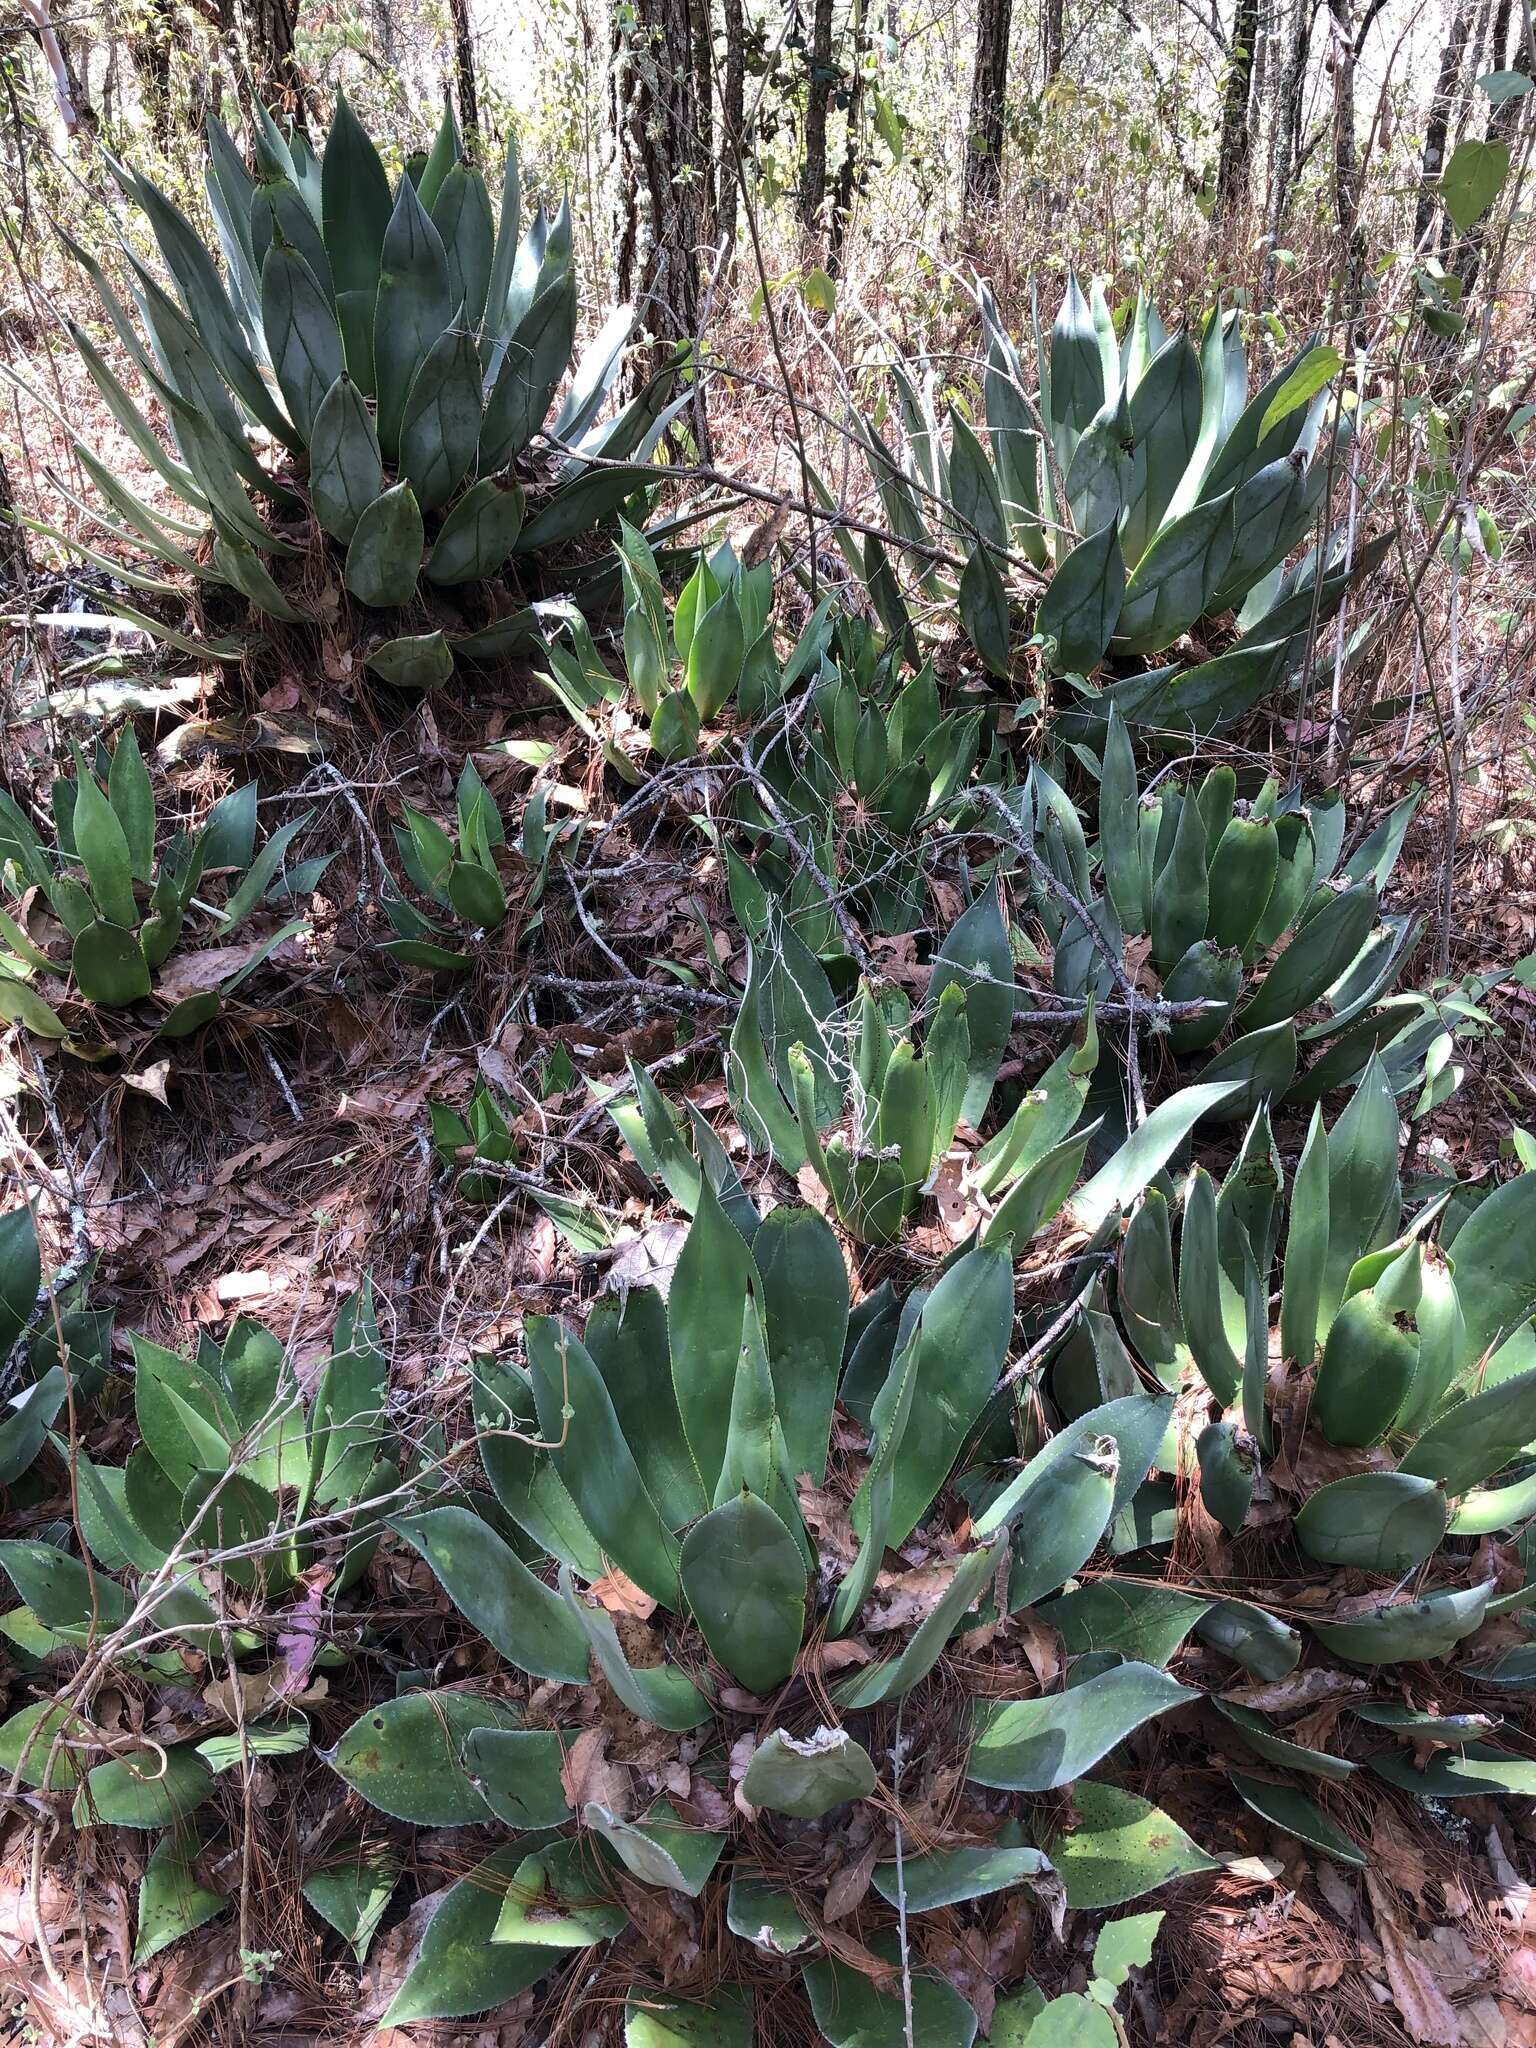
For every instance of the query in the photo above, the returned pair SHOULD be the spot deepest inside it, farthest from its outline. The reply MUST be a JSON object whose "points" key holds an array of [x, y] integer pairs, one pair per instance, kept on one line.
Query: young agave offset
{"points": [[125, 911], [687, 1535], [1247, 906], [373, 365], [1413, 1358]]}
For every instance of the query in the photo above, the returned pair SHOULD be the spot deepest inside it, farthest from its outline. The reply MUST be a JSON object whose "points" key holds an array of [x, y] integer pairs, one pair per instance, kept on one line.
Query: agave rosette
{"points": [[369, 367]]}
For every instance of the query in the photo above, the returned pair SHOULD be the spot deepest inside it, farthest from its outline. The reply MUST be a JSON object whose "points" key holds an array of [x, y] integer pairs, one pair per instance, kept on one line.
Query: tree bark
{"points": [[661, 176], [1236, 147], [150, 48], [1346, 156], [701, 45], [69, 90], [269, 32], [733, 115], [1438, 124], [464, 73], [848, 170], [1053, 36], [989, 104], [813, 178], [1285, 146]]}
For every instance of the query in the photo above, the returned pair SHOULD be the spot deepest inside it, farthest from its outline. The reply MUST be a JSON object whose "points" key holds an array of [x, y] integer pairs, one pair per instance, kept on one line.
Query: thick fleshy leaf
{"points": [[1386, 1522], [1121, 1848], [35, 1746], [171, 1900], [1408, 1632], [851, 2013], [440, 425], [948, 1877], [760, 1912], [1479, 1771], [58, 1588], [1136, 1422], [421, 661], [479, 532], [653, 1692], [659, 1850], [1288, 1808], [1137, 1619], [413, 307], [552, 1903], [1495, 1279], [596, 1464], [1080, 609], [300, 327], [805, 1309], [1036, 1745], [518, 1773], [653, 2020], [1147, 1151], [977, 956], [1267, 1742], [457, 1968], [493, 1589], [1318, 955], [145, 1789], [744, 1579], [1176, 578], [353, 1892], [704, 1322], [895, 1676], [957, 1354], [405, 1756], [346, 470], [807, 1778], [384, 554]]}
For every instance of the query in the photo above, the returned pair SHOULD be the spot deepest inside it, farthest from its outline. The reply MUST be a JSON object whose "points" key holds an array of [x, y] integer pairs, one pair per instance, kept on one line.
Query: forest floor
{"points": [[265, 1166]]}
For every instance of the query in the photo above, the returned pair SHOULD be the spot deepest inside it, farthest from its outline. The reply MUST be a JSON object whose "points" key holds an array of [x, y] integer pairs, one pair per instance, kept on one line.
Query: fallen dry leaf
{"points": [[620, 1595], [1426, 2012], [588, 1775]]}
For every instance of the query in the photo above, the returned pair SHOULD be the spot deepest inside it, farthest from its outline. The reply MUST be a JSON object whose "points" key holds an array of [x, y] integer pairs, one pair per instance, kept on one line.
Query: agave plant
{"points": [[51, 1356], [123, 911], [1166, 496], [237, 1483], [874, 761], [1413, 1360], [683, 1538], [1246, 907], [373, 365]]}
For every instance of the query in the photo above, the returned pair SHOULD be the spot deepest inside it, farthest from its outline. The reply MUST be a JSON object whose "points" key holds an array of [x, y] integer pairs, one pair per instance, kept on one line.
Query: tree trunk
{"points": [[989, 103], [274, 69], [1437, 125], [701, 44], [69, 90], [1053, 36], [1236, 128], [661, 178], [1346, 156], [733, 114], [813, 177], [150, 48], [848, 170], [464, 73]]}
